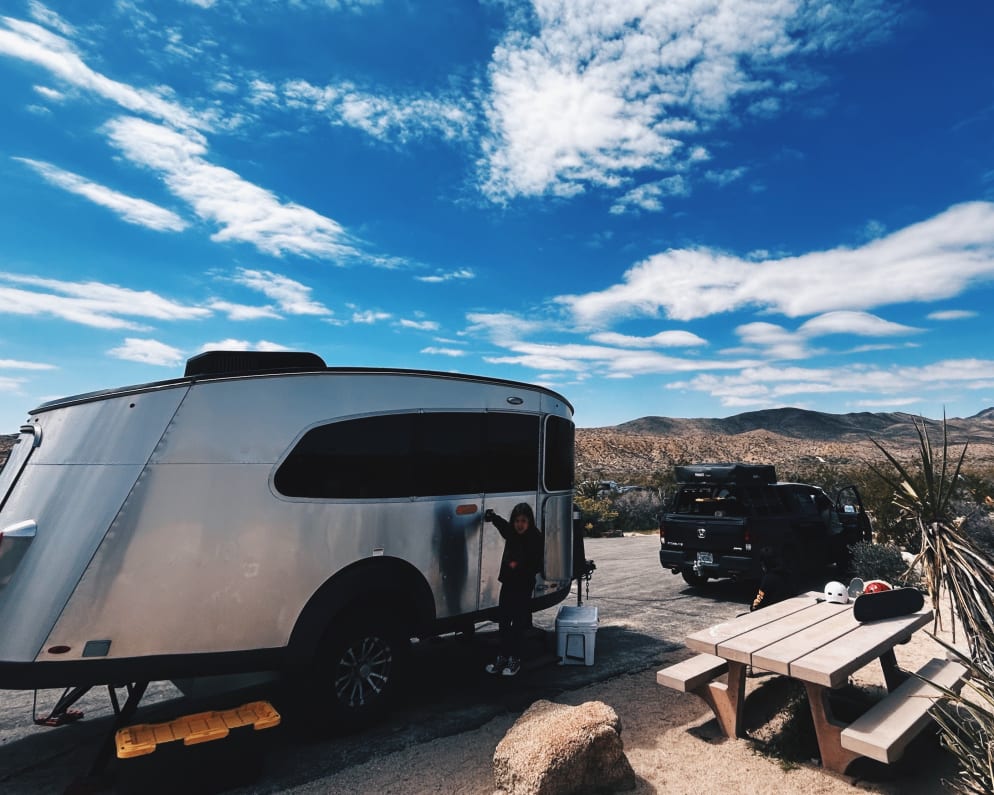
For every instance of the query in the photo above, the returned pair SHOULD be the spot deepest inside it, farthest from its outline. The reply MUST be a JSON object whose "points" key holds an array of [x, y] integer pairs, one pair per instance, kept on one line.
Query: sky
{"points": [[687, 208]]}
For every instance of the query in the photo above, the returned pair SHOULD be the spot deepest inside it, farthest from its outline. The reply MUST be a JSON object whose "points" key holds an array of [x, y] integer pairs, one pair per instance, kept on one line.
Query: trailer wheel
{"points": [[359, 669], [693, 579]]}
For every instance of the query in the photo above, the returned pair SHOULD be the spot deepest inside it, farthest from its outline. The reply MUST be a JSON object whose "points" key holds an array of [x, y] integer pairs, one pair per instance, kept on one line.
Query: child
{"points": [[522, 560]]}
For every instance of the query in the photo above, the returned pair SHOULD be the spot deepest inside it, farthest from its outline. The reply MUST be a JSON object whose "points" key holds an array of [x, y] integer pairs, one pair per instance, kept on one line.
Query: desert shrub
{"points": [[638, 510], [597, 514], [882, 562]]}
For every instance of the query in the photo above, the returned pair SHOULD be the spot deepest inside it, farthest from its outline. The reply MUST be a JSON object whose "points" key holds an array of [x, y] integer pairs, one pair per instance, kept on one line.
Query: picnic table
{"points": [[819, 644]]}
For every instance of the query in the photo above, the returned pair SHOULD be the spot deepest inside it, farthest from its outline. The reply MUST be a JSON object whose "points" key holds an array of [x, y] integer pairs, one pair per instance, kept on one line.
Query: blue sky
{"points": [[689, 208]]}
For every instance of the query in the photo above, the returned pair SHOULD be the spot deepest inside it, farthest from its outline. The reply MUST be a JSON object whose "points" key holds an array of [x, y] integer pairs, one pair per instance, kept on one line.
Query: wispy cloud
{"points": [[447, 276], [952, 314], [34, 44], [928, 261], [648, 196], [90, 303], [243, 312], [245, 212], [148, 351], [232, 344], [369, 316], [131, 209], [454, 352], [418, 325], [664, 339], [290, 296], [768, 385], [382, 115], [15, 364]]}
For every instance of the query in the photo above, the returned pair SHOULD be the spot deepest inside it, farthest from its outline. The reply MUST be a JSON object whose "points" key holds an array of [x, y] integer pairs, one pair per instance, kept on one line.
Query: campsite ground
{"points": [[442, 737]]}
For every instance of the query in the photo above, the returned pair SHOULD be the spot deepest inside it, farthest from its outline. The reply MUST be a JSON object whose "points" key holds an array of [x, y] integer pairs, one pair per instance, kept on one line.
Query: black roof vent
{"points": [[230, 362]]}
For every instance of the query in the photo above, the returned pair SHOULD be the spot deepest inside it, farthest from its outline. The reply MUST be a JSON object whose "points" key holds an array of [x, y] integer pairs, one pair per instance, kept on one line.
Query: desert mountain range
{"points": [[790, 438]]}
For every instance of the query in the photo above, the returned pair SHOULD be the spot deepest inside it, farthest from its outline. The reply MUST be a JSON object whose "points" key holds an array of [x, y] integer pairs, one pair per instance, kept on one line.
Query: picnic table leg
{"points": [[894, 675], [726, 699], [829, 731]]}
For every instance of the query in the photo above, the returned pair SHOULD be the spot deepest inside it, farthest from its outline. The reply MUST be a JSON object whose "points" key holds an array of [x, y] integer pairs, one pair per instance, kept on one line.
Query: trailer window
{"points": [[414, 455], [362, 458], [511, 452], [449, 452], [559, 447]]}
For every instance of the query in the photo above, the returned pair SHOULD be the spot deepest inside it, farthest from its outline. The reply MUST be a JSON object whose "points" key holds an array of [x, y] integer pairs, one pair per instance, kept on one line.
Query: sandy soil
{"points": [[673, 744]]}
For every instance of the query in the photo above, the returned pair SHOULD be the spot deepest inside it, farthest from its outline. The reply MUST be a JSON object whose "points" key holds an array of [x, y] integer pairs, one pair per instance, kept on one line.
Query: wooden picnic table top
{"points": [[807, 638]]}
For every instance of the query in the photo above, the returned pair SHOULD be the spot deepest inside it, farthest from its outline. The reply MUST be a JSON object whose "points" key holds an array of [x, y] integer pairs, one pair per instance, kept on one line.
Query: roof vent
{"points": [[230, 362]]}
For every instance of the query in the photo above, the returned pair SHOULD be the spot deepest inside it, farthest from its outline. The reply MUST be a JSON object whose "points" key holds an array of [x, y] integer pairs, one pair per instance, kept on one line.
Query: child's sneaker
{"points": [[496, 666], [512, 667]]}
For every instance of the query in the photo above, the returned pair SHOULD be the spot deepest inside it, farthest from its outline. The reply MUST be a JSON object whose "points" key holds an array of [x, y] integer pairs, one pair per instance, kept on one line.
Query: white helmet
{"points": [[836, 593]]}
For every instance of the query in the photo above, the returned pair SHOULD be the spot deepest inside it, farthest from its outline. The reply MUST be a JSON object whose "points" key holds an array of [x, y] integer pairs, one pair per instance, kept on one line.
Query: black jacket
{"points": [[523, 554]]}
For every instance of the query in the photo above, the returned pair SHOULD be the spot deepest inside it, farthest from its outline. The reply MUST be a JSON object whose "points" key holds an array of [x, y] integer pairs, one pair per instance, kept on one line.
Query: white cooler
{"points": [[576, 633]]}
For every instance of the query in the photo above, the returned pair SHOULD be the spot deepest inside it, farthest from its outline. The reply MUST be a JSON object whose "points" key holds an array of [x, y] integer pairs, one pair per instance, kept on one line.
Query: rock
{"points": [[556, 749]]}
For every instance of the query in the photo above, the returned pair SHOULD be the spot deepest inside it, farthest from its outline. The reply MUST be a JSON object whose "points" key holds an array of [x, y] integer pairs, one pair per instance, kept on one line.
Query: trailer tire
{"points": [[693, 579], [359, 670]]}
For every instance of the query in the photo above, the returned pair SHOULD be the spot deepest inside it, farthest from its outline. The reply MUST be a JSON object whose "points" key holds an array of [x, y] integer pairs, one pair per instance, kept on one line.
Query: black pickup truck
{"points": [[722, 515]]}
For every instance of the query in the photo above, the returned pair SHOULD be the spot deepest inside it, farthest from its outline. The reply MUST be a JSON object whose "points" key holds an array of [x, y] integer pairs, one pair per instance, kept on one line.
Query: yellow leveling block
{"points": [[144, 738]]}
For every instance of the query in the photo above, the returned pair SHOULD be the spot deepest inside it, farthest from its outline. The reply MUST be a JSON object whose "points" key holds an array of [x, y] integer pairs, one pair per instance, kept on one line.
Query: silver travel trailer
{"points": [[268, 513]]}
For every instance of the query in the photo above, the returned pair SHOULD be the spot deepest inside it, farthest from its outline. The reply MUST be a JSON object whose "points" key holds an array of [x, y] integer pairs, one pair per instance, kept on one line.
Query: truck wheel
{"points": [[359, 668], [694, 579]]}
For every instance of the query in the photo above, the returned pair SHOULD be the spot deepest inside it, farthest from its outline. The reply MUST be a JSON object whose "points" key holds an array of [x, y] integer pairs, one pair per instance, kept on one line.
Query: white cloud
{"points": [[245, 212], [387, 118], [928, 261], [649, 196], [46, 16], [11, 385], [664, 339], [586, 94], [443, 351], [15, 364], [766, 385], [148, 352], [952, 314], [50, 93], [368, 317], [243, 312], [130, 209], [462, 273], [90, 303], [231, 344], [291, 296], [32, 43], [725, 177], [418, 325]]}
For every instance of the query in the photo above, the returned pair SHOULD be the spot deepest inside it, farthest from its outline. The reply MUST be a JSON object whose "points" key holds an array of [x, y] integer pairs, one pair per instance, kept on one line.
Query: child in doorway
{"points": [[522, 560]]}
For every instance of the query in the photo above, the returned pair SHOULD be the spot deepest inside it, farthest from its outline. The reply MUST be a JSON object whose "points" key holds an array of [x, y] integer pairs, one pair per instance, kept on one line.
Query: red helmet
{"points": [[876, 586]]}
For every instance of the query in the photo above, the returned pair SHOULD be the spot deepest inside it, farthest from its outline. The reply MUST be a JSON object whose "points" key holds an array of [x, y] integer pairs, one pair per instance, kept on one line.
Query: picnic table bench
{"points": [[820, 644]]}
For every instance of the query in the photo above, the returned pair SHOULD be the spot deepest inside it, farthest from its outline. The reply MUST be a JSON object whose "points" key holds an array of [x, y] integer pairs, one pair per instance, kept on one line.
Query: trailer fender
{"points": [[388, 585]]}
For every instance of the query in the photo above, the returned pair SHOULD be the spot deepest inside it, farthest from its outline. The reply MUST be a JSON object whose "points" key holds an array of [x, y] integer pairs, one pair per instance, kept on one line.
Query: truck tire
{"points": [[359, 670], [693, 579]]}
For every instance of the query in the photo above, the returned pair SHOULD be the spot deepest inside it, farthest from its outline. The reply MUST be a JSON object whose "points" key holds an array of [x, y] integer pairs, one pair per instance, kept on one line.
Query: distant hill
{"points": [[790, 438]]}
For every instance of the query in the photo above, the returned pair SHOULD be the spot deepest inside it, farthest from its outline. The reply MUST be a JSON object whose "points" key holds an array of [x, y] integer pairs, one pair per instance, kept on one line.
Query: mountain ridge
{"points": [[790, 438]]}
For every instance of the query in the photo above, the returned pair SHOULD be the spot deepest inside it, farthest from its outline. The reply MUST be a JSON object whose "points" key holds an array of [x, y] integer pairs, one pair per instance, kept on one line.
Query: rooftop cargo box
{"points": [[740, 474]]}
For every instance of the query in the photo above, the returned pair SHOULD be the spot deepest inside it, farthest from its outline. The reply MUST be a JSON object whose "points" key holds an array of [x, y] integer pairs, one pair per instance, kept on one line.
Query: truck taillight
{"points": [[746, 538], [662, 532]]}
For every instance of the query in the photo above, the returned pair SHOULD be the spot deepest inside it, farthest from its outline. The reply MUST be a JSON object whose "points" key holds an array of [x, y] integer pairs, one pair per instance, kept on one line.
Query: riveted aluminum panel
{"points": [[212, 424], [72, 504], [204, 558]]}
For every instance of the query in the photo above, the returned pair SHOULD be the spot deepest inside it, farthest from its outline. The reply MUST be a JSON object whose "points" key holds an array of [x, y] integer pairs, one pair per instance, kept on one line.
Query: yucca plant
{"points": [[952, 563], [966, 725]]}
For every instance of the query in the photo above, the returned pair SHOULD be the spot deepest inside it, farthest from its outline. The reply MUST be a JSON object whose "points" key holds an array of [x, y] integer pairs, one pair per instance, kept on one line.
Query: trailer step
{"points": [[143, 738]]}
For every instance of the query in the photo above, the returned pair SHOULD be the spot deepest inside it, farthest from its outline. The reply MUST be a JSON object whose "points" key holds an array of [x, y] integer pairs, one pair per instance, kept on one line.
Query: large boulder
{"points": [[556, 749]]}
